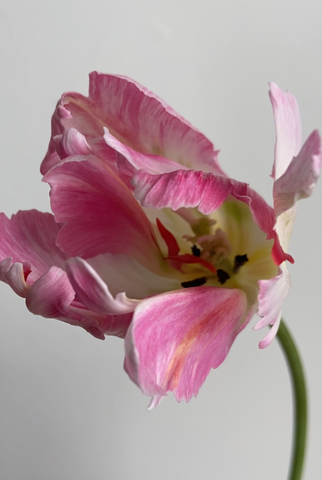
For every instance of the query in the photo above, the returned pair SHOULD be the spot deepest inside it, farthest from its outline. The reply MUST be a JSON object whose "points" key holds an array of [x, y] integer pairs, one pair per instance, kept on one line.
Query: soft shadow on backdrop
{"points": [[68, 411]]}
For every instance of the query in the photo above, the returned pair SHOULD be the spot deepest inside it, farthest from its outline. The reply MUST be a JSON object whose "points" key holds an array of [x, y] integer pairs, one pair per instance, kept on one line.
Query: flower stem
{"points": [[299, 398]]}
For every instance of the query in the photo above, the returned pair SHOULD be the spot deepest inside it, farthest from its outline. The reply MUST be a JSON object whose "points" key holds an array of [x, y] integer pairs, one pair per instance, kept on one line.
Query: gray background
{"points": [[68, 410]]}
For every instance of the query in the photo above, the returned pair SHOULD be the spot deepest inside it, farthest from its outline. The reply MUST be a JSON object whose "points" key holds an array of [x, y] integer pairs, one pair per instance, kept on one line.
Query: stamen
{"points": [[195, 251], [197, 282], [240, 260], [222, 276]]}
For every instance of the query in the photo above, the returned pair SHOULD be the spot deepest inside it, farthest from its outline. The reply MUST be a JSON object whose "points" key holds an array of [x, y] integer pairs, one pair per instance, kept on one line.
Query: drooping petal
{"points": [[288, 128], [272, 294], [188, 189], [30, 236], [175, 339], [99, 212]]}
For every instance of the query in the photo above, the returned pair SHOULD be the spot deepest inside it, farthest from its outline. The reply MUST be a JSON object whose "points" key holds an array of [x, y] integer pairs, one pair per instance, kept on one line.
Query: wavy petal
{"points": [[136, 117], [148, 125], [175, 339], [288, 128], [99, 212]]}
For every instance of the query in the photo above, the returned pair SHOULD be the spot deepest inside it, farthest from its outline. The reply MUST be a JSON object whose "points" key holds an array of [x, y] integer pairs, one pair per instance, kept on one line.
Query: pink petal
{"points": [[52, 296], [147, 124], [92, 291], [300, 177], [99, 212], [272, 294], [136, 117], [187, 188], [175, 339], [287, 128]]}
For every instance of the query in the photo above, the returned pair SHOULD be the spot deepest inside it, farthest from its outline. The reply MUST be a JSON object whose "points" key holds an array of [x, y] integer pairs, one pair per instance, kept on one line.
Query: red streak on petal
{"points": [[187, 258], [169, 239], [289, 258]]}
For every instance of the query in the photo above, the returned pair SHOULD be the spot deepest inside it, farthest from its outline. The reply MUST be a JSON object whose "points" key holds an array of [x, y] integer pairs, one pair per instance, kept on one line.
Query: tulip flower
{"points": [[150, 240]]}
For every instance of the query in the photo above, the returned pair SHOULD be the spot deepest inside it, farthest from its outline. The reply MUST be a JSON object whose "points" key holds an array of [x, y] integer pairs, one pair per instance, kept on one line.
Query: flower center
{"points": [[226, 248]]}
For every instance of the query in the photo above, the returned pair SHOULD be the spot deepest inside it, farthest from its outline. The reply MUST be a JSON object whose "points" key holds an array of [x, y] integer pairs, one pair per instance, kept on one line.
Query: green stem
{"points": [[300, 400]]}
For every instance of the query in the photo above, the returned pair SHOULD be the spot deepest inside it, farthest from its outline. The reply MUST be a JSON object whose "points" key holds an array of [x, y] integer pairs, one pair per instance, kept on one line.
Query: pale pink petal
{"points": [[272, 294], [124, 274], [287, 128], [175, 339], [93, 292], [71, 142], [300, 177], [271, 334], [30, 236], [99, 212], [187, 188]]}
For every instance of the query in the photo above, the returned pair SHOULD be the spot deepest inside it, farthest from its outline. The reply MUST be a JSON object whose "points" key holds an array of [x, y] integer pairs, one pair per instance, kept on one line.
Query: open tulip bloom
{"points": [[150, 240]]}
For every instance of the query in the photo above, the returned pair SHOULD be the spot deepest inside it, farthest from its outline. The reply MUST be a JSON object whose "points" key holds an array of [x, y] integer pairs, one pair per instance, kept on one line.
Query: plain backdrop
{"points": [[68, 411]]}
